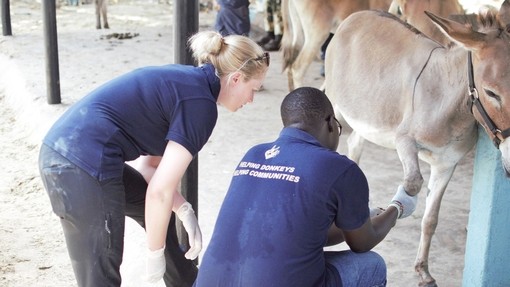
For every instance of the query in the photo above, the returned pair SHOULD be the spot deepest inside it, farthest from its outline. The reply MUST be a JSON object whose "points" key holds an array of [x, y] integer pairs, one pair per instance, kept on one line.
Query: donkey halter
{"points": [[498, 136]]}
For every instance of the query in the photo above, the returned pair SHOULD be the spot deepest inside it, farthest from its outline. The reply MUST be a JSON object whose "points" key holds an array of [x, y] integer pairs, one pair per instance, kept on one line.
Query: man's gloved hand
{"points": [[186, 214], [155, 266], [404, 203]]}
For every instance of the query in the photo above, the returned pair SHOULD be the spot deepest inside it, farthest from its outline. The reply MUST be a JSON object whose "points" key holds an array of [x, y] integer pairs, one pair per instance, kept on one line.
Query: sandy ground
{"points": [[33, 251]]}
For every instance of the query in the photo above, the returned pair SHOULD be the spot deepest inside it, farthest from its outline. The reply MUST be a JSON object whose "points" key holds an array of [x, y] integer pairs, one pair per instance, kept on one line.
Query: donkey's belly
{"points": [[377, 134]]}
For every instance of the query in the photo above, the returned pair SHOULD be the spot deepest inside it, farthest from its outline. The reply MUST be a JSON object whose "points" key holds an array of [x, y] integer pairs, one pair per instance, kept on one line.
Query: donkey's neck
{"points": [[450, 68]]}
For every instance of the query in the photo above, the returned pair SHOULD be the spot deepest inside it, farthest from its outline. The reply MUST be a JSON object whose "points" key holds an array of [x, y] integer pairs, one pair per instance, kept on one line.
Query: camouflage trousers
{"points": [[273, 21]]}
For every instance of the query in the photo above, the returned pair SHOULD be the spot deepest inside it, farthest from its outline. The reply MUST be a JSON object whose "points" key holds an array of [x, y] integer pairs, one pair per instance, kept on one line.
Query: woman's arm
{"points": [[162, 193], [147, 166]]}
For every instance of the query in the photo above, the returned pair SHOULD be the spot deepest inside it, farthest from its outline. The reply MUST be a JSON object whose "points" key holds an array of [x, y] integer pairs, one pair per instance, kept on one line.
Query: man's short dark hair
{"points": [[306, 106]]}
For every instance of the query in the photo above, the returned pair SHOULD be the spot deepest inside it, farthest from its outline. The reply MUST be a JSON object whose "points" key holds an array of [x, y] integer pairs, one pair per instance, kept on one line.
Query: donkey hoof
{"points": [[428, 284]]}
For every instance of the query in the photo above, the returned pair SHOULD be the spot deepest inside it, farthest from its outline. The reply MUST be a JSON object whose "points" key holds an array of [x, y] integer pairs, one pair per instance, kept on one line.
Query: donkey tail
{"points": [[292, 39]]}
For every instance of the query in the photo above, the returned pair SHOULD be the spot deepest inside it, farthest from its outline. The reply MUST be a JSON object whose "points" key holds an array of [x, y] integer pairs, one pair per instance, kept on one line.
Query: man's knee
{"points": [[378, 270]]}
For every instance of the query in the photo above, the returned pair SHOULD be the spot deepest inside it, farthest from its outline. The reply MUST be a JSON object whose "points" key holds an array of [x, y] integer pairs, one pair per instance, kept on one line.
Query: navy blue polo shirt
{"points": [[274, 220], [137, 114]]}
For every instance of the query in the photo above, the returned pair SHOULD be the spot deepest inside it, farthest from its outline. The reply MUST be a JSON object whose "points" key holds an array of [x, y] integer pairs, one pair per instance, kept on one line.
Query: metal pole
{"points": [[50, 41], [6, 18], [186, 24]]}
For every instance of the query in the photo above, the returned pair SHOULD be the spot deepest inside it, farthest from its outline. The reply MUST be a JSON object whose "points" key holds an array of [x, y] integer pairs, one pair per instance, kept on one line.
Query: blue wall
{"points": [[487, 258]]}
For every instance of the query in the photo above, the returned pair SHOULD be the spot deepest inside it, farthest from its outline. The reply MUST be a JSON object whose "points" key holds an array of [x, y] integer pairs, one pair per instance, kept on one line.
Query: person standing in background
{"points": [[233, 17], [273, 25]]}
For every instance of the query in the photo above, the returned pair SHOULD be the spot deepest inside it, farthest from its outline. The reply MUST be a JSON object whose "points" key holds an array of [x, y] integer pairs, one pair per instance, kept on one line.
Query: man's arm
{"points": [[376, 228], [373, 231], [335, 234]]}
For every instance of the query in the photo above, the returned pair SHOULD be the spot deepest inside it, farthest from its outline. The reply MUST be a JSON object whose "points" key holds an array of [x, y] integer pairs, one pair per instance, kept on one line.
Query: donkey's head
{"points": [[489, 45]]}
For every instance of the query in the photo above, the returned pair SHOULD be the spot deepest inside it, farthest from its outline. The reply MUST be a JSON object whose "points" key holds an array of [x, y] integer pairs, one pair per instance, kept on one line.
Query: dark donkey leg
{"points": [[98, 4], [104, 7], [101, 6]]}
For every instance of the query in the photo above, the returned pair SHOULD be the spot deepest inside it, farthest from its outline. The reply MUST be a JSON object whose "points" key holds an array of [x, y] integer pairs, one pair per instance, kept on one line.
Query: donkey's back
{"points": [[370, 76], [413, 13]]}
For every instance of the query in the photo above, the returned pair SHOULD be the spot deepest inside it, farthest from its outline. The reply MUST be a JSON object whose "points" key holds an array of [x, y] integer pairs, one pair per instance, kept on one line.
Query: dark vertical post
{"points": [[51, 46], [185, 25], [6, 18]]}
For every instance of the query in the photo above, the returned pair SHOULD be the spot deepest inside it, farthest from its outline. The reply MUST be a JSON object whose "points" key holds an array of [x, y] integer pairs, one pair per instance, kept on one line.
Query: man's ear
{"points": [[330, 124]]}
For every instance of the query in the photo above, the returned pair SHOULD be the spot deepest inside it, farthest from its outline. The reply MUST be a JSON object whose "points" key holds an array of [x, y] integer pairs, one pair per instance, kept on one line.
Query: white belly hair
{"points": [[376, 135]]}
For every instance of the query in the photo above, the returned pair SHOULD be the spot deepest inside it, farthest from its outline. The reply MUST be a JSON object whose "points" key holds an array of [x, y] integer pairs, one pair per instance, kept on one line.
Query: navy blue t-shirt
{"points": [[234, 3], [233, 18], [274, 220], [137, 114]]}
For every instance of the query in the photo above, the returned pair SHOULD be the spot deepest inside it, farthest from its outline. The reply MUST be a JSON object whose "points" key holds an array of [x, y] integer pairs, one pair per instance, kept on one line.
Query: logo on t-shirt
{"points": [[272, 152]]}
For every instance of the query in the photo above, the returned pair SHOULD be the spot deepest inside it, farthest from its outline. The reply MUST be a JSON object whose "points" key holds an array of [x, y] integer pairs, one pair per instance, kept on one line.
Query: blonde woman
{"points": [[162, 116]]}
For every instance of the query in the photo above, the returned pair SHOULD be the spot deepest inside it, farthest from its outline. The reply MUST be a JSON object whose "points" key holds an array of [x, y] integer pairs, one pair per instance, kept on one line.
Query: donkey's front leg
{"points": [[439, 178], [408, 154]]}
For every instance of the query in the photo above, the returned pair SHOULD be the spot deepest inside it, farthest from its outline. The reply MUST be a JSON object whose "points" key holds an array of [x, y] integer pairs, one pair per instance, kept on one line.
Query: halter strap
{"points": [[497, 135]]}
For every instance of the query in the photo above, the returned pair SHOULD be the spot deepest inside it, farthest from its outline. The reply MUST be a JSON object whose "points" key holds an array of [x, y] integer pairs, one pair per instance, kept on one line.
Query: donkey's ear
{"points": [[466, 19], [504, 15], [458, 32]]}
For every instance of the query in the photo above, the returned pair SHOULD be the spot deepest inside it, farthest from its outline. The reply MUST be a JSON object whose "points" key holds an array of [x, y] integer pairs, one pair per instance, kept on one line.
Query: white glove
{"points": [[404, 203], [155, 266], [186, 214], [374, 211]]}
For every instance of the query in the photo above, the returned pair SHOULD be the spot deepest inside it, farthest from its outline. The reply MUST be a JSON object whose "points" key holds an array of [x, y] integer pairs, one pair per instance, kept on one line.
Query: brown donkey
{"points": [[398, 88], [307, 24]]}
